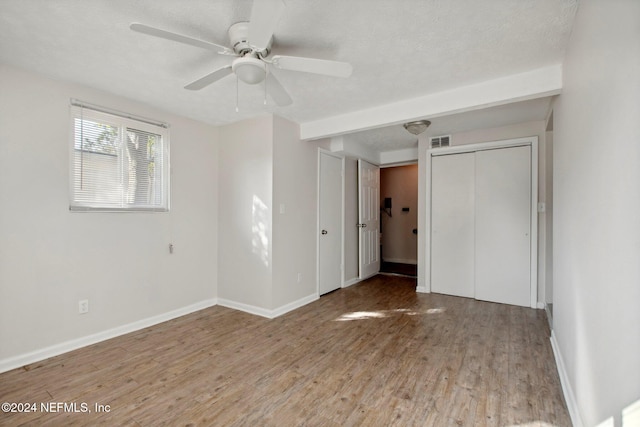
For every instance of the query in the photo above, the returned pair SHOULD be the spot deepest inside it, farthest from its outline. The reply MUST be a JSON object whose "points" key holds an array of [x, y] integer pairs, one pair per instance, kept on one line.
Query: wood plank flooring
{"points": [[374, 354]]}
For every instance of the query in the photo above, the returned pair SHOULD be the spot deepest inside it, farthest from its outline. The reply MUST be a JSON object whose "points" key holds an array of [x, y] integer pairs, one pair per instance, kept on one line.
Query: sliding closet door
{"points": [[503, 225], [452, 224]]}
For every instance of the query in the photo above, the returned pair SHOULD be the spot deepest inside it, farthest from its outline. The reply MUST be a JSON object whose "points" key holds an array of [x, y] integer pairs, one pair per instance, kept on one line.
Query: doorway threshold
{"points": [[399, 269]]}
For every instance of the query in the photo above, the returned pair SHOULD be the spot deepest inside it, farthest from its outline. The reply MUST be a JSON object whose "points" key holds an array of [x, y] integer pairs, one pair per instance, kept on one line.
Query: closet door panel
{"points": [[452, 224], [503, 225]]}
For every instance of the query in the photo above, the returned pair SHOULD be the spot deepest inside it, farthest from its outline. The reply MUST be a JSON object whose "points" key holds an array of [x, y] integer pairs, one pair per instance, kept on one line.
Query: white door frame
{"points": [[527, 141], [322, 151]]}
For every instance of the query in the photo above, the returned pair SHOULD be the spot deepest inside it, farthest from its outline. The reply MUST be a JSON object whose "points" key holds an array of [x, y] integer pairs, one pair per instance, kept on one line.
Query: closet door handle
{"points": [[324, 231]]}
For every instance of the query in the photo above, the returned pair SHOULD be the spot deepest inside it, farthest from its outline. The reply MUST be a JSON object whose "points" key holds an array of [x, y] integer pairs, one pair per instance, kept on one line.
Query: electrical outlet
{"points": [[83, 306]]}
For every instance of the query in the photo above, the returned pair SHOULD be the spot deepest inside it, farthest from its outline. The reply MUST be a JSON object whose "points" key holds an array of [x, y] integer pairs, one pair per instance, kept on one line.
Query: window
{"points": [[118, 162]]}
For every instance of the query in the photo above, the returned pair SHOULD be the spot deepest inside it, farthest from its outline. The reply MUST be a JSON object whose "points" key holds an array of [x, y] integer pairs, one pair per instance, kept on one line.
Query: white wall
{"points": [[535, 128], [50, 258], [424, 168], [295, 183], [267, 258], [245, 186], [546, 223], [597, 209], [399, 244], [347, 147]]}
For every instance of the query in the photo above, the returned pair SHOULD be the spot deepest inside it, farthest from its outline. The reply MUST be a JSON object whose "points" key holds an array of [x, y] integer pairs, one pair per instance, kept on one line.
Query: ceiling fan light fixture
{"points": [[250, 70], [417, 127]]}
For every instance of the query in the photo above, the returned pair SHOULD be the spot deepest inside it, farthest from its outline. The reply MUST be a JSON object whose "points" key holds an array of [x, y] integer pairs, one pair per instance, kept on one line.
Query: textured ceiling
{"points": [[399, 49]]}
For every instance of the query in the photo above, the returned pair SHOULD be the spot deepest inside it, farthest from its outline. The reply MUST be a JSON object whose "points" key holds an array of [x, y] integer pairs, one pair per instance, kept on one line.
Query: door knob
{"points": [[324, 231]]}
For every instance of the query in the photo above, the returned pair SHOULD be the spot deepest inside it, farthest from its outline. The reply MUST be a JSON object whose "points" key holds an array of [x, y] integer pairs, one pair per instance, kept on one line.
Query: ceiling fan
{"points": [[251, 45]]}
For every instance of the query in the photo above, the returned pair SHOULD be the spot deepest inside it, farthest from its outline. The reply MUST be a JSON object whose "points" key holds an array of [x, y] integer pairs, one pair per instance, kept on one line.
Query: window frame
{"points": [[124, 121]]}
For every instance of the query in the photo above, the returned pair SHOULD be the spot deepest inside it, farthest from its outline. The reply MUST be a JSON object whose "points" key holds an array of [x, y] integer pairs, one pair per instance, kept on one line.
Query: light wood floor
{"points": [[374, 354]]}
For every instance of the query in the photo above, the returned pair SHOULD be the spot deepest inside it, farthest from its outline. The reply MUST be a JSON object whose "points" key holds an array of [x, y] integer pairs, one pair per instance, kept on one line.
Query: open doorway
{"points": [[399, 220]]}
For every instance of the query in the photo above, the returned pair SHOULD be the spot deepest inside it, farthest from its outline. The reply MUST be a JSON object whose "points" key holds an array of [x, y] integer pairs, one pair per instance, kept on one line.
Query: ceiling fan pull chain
{"points": [[265, 87], [237, 94]]}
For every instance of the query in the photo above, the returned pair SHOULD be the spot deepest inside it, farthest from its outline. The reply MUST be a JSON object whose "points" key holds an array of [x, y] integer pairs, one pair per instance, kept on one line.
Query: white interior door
{"points": [[453, 224], [369, 218], [330, 224], [503, 225]]}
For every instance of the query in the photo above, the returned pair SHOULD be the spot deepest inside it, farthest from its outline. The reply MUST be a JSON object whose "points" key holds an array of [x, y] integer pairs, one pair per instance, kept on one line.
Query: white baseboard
{"points": [[549, 317], [263, 312], [247, 308], [401, 261], [293, 305], [74, 344], [351, 282], [422, 290], [569, 397], [360, 279]]}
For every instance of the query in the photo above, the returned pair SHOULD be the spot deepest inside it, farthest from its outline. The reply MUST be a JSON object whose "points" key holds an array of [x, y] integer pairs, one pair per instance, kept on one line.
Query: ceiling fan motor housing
{"points": [[238, 38]]}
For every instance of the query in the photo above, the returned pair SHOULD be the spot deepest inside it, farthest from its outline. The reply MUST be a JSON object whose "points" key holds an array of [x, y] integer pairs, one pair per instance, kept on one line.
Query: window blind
{"points": [[118, 163]]}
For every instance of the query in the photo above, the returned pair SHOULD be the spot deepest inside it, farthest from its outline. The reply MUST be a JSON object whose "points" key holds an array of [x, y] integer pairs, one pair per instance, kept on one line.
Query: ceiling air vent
{"points": [[440, 141]]}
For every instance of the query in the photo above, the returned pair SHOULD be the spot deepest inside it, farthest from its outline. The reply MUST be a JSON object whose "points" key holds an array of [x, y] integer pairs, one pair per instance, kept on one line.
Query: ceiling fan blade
{"points": [[276, 91], [209, 78], [312, 65], [168, 35], [265, 15]]}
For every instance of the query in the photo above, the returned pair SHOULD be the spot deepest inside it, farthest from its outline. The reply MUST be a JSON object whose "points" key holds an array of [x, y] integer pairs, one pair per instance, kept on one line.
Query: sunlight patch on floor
{"points": [[533, 424], [381, 314]]}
